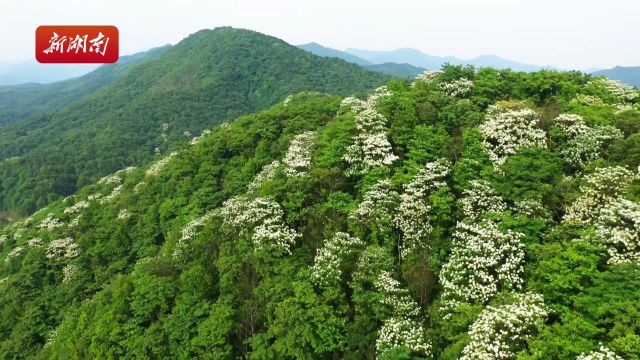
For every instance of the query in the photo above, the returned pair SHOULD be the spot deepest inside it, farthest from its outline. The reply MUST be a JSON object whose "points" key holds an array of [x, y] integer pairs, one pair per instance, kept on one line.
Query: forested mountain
{"points": [[628, 75], [210, 77], [20, 102], [469, 214]]}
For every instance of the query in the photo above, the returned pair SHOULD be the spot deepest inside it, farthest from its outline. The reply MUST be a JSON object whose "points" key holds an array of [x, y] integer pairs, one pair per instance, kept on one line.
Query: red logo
{"points": [[77, 44]]}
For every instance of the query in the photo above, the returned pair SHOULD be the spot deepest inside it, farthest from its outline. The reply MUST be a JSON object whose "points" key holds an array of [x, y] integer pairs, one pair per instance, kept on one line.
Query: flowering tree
{"points": [[499, 331], [505, 132], [262, 217], [403, 327], [329, 259], [267, 174], [63, 248], [483, 262], [480, 199], [370, 147], [585, 143], [378, 205], [458, 88], [50, 222], [427, 77], [298, 157], [623, 93], [615, 219], [603, 353], [413, 215]]}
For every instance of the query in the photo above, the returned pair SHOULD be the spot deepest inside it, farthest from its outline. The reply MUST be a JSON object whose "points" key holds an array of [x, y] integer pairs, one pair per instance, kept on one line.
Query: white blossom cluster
{"points": [[94, 197], [623, 93], [115, 178], [139, 186], [69, 272], [500, 330], [480, 199], [157, 166], [506, 132], [75, 221], [50, 222], [265, 175], [603, 353], [114, 194], [298, 157], [112, 179], [427, 77], [403, 327], [76, 207], [378, 205], [585, 143], [18, 234], [190, 231], [370, 147], [124, 214], [530, 208], [35, 242], [287, 100], [3, 239], [17, 251], [328, 260], [413, 214], [588, 100], [197, 139], [264, 217], [63, 248], [459, 88], [615, 219], [484, 261]]}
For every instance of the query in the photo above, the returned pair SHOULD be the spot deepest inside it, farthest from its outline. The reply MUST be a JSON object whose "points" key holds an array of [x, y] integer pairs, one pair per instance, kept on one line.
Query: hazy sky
{"points": [[566, 33]]}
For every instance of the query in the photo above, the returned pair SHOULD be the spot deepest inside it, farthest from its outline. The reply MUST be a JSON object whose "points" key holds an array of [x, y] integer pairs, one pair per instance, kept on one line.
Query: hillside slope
{"points": [[20, 102], [468, 212], [210, 77]]}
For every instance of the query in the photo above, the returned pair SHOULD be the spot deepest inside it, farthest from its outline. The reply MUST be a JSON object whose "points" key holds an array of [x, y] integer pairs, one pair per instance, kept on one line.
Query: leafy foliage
{"points": [[259, 240]]}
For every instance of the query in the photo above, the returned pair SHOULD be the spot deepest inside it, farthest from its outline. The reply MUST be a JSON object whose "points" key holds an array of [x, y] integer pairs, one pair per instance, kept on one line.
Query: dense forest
{"points": [[466, 214], [147, 108]]}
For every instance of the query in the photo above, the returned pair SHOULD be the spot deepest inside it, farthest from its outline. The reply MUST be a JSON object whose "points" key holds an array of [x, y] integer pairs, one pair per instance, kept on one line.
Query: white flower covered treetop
{"points": [[506, 132], [403, 327], [480, 199], [427, 77], [458, 88], [585, 143], [329, 259], [499, 331], [370, 147], [603, 353], [483, 262], [621, 92], [378, 205], [413, 215], [264, 218], [615, 219], [298, 157], [295, 162], [63, 248]]}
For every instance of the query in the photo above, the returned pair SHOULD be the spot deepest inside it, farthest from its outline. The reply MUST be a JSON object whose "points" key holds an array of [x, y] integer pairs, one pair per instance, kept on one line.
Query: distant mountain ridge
{"points": [[628, 75], [30, 71], [431, 62]]}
